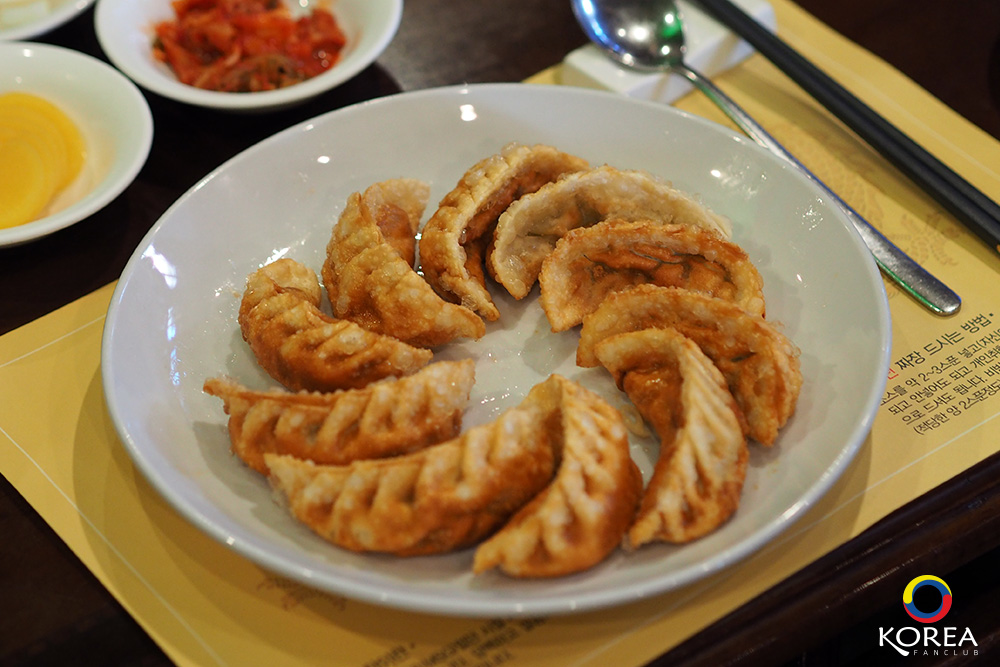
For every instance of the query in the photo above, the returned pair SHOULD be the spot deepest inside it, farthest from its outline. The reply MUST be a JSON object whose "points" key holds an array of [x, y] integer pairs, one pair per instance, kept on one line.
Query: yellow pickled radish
{"points": [[41, 152], [26, 184], [66, 128], [40, 133]]}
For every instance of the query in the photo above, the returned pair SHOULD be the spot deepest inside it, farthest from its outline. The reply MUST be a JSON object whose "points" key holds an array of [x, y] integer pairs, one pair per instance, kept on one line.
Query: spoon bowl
{"points": [[645, 36]]}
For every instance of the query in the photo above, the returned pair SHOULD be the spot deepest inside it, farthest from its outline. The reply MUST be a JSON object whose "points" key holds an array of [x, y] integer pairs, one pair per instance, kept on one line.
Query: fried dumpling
{"points": [[386, 212], [303, 348], [591, 262], [370, 283], [444, 497], [386, 418], [382, 293], [760, 364], [698, 478], [529, 229], [582, 515], [462, 226], [398, 206]]}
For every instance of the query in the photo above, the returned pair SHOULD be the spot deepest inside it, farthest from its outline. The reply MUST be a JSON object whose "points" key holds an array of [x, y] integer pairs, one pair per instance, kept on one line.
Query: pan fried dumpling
{"points": [[591, 262], [303, 348], [386, 418], [386, 212], [462, 227], [759, 363], [398, 207], [582, 515], [382, 293], [698, 478], [529, 229], [442, 498], [370, 283]]}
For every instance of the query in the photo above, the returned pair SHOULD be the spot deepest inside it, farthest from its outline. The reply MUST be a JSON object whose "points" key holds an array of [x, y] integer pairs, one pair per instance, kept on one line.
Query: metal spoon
{"points": [[648, 35]]}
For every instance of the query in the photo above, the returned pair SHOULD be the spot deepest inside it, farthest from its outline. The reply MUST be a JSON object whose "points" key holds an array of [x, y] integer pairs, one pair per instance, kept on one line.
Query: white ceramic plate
{"points": [[110, 112], [41, 22], [172, 323], [125, 31]]}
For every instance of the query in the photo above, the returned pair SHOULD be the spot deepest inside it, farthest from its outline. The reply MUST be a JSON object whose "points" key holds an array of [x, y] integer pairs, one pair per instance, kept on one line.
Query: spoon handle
{"points": [[897, 265]]}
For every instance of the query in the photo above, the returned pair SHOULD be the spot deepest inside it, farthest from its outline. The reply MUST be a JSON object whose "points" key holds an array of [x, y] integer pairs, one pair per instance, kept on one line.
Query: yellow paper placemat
{"points": [[203, 604]]}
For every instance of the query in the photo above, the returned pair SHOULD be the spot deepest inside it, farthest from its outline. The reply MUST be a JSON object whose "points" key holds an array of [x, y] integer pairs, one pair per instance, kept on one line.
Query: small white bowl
{"points": [[110, 112], [62, 11], [125, 30]]}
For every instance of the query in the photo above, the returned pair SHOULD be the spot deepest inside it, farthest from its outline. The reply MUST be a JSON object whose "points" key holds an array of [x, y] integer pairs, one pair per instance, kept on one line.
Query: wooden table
{"points": [[53, 611]]}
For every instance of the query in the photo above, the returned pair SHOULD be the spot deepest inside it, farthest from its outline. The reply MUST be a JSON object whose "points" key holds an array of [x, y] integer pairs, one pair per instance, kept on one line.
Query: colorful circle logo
{"points": [[923, 616]]}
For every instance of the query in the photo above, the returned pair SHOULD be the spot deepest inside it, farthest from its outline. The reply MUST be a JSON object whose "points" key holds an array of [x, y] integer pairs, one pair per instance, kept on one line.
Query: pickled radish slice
{"points": [[40, 133], [25, 182], [41, 152], [68, 131]]}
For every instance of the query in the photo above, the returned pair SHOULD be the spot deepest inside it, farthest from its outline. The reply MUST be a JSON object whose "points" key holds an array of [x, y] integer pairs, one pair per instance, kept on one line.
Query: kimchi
{"points": [[246, 45]]}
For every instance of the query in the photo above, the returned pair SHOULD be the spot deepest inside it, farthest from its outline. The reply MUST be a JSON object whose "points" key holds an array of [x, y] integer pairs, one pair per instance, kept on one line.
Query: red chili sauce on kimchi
{"points": [[246, 45]]}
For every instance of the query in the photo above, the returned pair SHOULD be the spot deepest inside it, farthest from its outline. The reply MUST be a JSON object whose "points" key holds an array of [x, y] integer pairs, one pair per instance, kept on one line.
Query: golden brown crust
{"points": [[371, 284], [759, 363], [582, 515], [698, 478], [386, 212], [303, 348], [589, 263], [386, 418], [379, 291], [467, 215], [529, 229], [441, 498], [397, 207]]}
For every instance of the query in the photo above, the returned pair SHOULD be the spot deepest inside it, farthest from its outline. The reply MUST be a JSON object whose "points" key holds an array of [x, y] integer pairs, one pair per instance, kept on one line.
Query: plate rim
{"points": [[562, 604]]}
